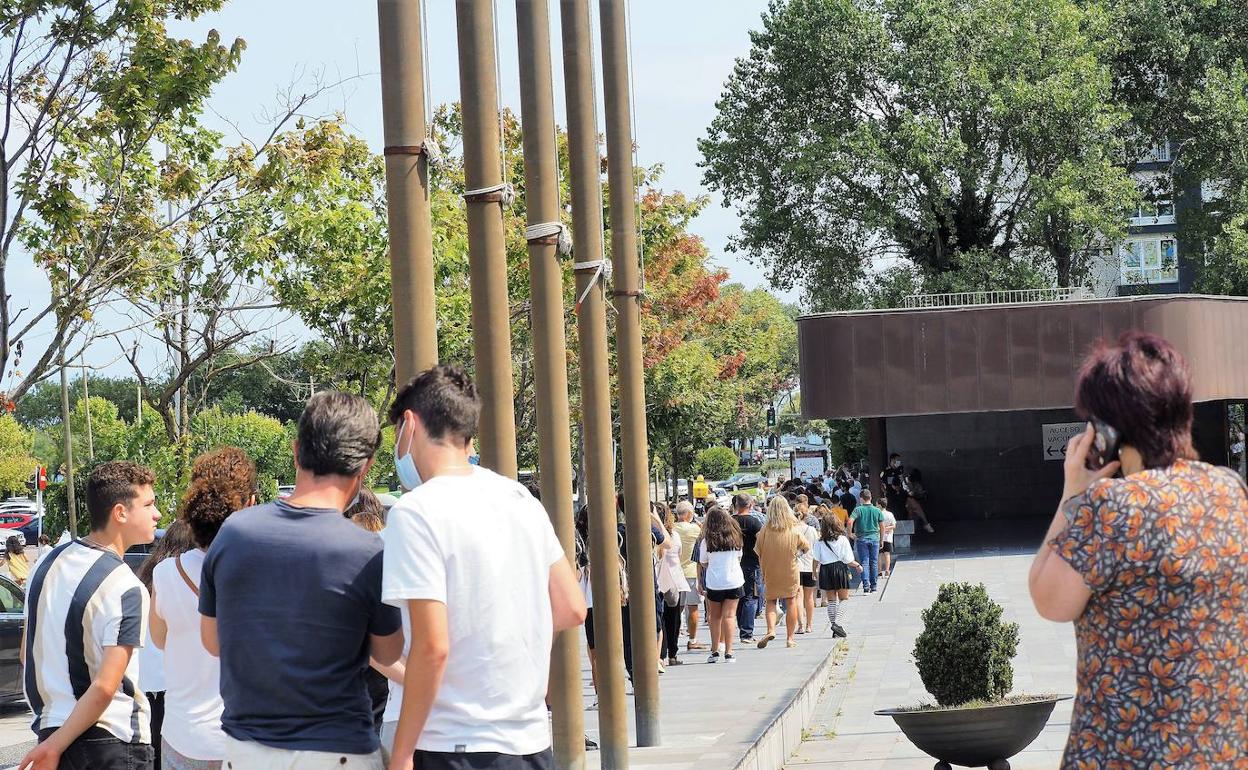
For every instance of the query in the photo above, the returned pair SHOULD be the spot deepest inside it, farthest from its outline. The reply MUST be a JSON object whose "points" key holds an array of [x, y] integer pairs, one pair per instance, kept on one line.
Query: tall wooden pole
{"points": [[541, 185], [487, 255], [407, 187], [591, 325], [634, 450]]}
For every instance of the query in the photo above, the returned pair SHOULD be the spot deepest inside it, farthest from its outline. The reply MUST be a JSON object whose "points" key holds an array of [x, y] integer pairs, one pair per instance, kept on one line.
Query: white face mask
{"points": [[405, 467]]}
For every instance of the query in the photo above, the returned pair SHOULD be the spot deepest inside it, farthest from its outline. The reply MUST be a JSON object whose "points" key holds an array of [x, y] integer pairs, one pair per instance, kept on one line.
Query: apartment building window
{"points": [[1149, 261], [1153, 212]]}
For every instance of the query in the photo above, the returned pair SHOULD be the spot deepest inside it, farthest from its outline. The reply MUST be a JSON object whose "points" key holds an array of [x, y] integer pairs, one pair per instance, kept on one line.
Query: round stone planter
{"points": [[975, 737]]}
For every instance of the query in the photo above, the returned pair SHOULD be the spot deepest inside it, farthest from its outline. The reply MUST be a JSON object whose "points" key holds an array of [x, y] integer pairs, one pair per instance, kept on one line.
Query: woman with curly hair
{"points": [[222, 482]]}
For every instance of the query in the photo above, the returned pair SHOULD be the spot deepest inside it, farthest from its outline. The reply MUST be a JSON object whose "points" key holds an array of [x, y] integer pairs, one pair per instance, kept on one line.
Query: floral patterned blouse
{"points": [[1163, 642]]}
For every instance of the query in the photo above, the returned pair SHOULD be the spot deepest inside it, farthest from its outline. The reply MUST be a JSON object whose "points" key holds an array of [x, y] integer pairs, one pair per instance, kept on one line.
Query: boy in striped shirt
{"points": [[86, 613]]}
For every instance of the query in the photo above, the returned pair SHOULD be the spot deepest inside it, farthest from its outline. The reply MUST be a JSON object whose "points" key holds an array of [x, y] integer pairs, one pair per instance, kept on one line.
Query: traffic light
{"points": [[771, 417]]}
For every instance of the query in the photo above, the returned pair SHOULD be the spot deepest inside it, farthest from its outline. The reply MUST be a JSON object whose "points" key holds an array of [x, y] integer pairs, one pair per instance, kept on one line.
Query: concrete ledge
{"points": [[782, 737]]}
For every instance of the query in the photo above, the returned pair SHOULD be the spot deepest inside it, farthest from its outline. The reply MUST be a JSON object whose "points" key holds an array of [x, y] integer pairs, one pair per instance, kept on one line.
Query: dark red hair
{"points": [[1142, 388]]}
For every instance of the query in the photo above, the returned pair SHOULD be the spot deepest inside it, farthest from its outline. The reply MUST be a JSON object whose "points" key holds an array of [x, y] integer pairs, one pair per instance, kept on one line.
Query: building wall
{"points": [[990, 465]]}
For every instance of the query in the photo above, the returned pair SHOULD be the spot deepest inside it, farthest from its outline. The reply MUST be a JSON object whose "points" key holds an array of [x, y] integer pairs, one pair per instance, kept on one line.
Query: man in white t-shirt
{"points": [[472, 560]]}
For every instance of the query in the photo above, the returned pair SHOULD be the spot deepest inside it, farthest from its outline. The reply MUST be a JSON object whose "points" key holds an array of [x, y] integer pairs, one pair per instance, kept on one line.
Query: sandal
{"points": [[791, 643], [691, 646]]}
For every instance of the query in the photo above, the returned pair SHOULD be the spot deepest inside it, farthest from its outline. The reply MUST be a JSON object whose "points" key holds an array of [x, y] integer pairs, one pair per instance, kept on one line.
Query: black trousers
{"points": [[671, 629], [483, 760], [156, 702], [98, 749]]}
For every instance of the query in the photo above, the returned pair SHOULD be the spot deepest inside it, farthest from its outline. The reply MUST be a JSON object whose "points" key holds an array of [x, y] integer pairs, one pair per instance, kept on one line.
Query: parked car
{"points": [[24, 524], [137, 554], [12, 605], [285, 490], [739, 481]]}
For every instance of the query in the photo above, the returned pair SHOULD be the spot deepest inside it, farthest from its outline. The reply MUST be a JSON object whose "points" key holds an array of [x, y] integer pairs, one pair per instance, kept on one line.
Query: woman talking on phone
{"points": [[1145, 556]]}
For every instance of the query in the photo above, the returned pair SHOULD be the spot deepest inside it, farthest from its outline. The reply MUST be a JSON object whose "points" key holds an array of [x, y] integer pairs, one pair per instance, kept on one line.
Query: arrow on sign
{"points": [[1050, 451]]}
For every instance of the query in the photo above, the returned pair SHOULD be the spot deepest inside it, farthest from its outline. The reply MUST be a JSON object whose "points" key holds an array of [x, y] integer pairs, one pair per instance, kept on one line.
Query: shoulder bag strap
{"points": [[177, 561]]}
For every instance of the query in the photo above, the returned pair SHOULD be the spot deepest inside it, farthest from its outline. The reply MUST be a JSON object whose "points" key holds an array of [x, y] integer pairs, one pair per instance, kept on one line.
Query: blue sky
{"points": [[682, 51]]}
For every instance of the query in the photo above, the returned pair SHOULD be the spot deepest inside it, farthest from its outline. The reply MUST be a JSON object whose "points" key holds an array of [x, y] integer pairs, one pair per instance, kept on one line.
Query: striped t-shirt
{"points": [[82, 599]]}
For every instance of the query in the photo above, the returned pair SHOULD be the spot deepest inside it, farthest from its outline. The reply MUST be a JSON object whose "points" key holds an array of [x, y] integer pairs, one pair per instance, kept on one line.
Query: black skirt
{"points": [[834, 576]]}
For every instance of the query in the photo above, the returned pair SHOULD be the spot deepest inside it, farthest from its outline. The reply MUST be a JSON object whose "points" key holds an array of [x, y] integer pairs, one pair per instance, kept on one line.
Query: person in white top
{"points": [[222, 481], [833, 558], [672, 586], [720, 561], [482, 594], [805, 571], [887, 527]]}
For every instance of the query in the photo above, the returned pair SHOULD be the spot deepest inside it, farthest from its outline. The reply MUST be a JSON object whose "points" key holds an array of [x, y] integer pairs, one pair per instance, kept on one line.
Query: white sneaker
{"points": [[713, 658], [729, 658], [928, 529]]}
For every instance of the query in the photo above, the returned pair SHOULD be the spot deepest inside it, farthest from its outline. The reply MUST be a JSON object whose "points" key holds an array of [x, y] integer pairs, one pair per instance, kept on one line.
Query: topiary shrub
{"points": [[965, 649]]}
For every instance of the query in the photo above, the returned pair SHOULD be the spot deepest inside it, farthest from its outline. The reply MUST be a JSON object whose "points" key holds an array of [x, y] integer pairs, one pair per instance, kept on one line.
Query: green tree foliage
{"points": [[41, 406], [265, 440], [965, 650], [716, 463], [87, 91], [922, 129], [17, 462]]}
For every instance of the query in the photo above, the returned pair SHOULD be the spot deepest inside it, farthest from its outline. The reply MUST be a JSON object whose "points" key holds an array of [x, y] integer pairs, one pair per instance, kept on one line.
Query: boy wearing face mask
{"points": [[291, 602], [480, 612]]}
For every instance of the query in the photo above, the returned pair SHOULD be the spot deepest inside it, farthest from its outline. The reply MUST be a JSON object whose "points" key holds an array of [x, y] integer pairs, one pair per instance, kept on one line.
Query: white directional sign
{"points": [[1056, 436]]}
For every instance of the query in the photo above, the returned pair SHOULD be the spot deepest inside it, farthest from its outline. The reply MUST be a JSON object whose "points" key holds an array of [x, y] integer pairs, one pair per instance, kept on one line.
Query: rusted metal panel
{"points": [[1006, 357]]}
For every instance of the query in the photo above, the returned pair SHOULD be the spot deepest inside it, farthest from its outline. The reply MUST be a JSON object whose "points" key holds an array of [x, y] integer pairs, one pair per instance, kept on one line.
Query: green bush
{"points": [[965, 650], [716, 463]]}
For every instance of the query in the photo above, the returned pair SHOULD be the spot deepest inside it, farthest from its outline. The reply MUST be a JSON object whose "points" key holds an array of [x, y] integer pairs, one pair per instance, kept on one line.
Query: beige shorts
{"points": [[248, 755]]}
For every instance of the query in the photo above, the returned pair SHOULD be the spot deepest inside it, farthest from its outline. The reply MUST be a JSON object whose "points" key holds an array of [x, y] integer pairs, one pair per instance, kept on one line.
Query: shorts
{"points": [[482, 760], [886, 547], [170, 759], [249, 755], [808, 579], [724, 594], [589, 628], [692, 597]]}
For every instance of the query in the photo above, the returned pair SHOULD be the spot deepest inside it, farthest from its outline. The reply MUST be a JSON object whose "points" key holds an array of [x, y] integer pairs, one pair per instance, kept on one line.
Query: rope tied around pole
{"points": [[551, 233], [599, 266], [502, 193]]}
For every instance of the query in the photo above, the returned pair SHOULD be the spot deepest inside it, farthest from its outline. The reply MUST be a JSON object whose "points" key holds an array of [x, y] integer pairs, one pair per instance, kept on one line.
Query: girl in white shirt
{"points": [[720, 561], [222, 482], [833, 558]]}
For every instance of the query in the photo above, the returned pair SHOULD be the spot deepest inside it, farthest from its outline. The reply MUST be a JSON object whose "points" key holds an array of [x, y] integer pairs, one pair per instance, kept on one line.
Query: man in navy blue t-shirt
{"points": [[291, 602]]}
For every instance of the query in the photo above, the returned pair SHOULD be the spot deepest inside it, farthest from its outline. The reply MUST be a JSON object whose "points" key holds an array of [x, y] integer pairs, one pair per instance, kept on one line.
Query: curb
{"points": [[781, 738]]}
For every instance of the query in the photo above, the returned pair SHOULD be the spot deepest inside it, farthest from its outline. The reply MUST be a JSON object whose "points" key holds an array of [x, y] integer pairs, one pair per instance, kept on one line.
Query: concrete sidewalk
{"points": [[714, 715], [879, 672]]}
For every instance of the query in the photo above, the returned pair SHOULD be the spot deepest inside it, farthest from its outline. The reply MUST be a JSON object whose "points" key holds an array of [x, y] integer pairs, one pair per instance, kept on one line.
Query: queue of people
{"points": [[270, 617]]}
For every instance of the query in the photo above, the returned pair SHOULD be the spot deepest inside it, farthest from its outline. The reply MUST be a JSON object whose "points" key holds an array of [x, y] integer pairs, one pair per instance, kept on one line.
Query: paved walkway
{"points": [[879, 672], [712, 714]]}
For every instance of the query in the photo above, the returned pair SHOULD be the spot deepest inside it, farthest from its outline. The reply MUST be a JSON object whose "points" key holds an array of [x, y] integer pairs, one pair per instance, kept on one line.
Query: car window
{"points": [[10, 519], [11, 598]]}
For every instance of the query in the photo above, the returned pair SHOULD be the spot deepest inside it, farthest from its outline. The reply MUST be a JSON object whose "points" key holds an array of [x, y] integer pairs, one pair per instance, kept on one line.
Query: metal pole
{"points": [[86, 402], [487, 255], [407, 187], [591, 324], [70, 502], [541, 185], [634, 451]]}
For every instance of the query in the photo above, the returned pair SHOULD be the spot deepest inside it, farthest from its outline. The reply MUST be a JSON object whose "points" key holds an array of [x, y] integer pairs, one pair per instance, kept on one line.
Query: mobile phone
{"points": [[1106, 442]]}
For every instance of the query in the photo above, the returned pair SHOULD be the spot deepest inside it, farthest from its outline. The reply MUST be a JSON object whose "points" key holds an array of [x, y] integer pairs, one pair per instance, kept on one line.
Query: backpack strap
{"points": [[177, 562]]}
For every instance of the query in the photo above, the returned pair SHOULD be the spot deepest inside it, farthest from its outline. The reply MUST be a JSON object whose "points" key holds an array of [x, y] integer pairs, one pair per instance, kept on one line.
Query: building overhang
{"points": [[995, 358]]}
